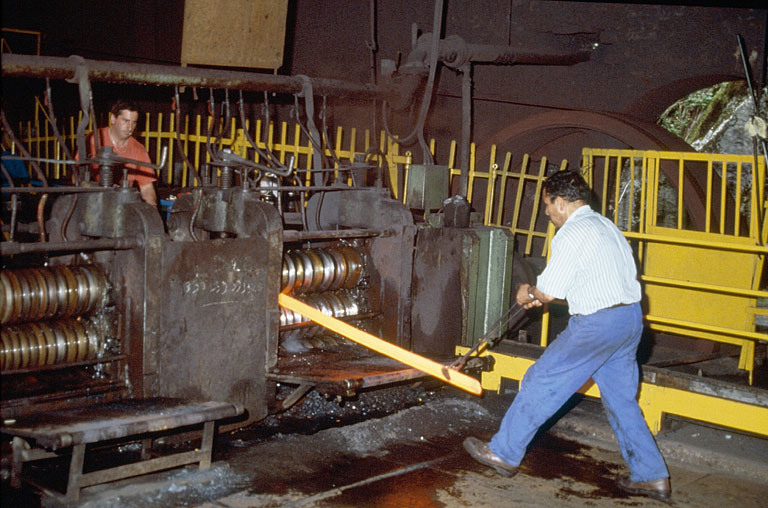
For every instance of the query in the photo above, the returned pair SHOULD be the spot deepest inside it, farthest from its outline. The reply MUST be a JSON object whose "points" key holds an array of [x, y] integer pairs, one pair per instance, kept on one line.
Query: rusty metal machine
{"points": [[118, 307], [114, 309], [106, 303], [117, 304]]}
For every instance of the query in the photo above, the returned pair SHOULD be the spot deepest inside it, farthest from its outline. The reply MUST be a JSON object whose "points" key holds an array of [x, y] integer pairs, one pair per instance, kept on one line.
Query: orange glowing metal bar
{"points": [[425, 365]]}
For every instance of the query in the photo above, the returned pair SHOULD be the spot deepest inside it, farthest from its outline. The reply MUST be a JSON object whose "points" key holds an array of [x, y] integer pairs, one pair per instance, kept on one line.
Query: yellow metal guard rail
{"points": [[499, 191], [709, 274], [702, 278]]}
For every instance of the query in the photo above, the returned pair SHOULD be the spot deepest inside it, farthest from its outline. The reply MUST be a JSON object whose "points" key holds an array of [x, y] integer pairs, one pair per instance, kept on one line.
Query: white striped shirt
{"points": [[591, 265]]}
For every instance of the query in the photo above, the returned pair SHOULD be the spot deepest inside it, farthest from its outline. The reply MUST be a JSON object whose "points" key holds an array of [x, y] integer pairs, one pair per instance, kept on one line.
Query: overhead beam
{"points": [[53, 67]]}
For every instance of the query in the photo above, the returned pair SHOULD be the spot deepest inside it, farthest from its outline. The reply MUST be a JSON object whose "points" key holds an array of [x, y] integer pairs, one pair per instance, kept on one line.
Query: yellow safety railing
{"points": [[629, 185], [6, 48], [701, 274], [509, 196]]}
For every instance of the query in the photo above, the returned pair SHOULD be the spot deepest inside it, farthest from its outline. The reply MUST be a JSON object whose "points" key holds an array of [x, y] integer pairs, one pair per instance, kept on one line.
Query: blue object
{"points": [[166, 205], [16, 168]]}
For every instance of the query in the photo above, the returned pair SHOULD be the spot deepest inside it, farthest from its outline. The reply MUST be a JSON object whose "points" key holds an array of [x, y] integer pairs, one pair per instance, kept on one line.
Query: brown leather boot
{"points": [[480, 451], [657, 489]]}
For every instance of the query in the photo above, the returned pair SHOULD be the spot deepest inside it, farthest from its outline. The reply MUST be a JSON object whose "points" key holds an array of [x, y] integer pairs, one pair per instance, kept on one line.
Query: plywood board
{"points": [[234, 33]]}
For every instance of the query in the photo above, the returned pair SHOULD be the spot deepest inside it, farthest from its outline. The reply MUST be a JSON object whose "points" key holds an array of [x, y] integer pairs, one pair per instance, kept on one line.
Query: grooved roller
{"points": [[32, 345], [322, 269], [34, 294]]}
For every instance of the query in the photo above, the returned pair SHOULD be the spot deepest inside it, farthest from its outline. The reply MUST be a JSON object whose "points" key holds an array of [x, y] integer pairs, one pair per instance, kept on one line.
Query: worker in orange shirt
{"points": [[123, 118]]}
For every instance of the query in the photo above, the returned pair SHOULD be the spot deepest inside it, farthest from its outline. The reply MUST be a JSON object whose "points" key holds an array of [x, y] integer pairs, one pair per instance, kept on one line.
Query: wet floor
{"points": [[410, 458]]}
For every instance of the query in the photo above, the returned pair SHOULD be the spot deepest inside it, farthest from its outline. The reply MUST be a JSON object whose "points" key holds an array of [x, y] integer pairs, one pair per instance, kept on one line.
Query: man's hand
{"points": [[529, 296], [526, 296], [148, 194]]}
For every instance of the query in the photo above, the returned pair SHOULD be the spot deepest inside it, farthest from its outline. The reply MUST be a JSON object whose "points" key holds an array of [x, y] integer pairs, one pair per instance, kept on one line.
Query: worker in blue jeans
{"points": [[592, 268]]}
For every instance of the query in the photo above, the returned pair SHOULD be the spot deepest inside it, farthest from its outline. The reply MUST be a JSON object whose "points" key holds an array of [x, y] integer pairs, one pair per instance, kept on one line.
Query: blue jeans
{"points": [[602, 346]]}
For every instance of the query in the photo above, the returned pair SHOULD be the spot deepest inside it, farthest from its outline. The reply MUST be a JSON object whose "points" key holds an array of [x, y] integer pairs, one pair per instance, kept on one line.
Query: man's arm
{"points": [[148, 193]]}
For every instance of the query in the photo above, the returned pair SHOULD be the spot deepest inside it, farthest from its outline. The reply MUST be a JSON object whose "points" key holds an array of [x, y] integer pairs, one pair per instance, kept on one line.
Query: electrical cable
{"points": [[281, 169], [309, 106], [275, 160], [212, 123], [326, 138], [426, 102], [52, 120], [317, 148], [14, 201], [179, 148], [428, 91], [198, 201]]}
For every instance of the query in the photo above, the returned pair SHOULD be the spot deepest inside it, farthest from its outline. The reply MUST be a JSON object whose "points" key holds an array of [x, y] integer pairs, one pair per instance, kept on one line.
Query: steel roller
{"points": [[321, 269], [35, 345], [338, 305], [34, 294]]}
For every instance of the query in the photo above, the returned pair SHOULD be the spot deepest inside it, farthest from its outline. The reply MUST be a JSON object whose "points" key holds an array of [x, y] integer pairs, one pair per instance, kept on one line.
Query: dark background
{"points": [[650, 54]]}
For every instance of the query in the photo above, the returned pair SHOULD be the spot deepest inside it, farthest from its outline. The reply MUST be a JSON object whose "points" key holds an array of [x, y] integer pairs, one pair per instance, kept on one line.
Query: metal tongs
{"points": [[492, 336]]}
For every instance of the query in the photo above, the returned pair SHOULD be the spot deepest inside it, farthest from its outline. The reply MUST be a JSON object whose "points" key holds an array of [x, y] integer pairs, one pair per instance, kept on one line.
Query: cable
{"points": [[425, 103], [327, 139], [282, 169], [192, 220], [179, 148], [275, 160], [84, 89], [317, 153], [427, 99], [14, 201], [212, 118], [52, 120]]}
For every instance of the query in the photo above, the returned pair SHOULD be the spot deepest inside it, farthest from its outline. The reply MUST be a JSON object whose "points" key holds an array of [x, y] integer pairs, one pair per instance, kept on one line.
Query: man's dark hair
{"points": [[569, 185], [121, 104]]}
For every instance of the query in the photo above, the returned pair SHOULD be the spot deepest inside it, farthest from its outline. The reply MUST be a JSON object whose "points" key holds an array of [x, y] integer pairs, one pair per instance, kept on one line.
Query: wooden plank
{"points": [[234, 33]]}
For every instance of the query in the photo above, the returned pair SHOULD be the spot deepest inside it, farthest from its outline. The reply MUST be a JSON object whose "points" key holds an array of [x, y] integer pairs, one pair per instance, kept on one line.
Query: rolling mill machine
{"points": [[116, 303], [110, 310]]}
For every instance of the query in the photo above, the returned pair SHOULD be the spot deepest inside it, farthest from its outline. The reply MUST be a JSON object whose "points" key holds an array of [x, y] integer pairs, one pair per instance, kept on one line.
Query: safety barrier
{"points": [[661, 393], [701, 274], [508, 196], [701, 277]]}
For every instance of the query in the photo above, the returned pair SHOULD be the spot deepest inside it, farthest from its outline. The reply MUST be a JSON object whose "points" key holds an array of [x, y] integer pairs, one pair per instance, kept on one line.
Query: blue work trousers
{"points": [[602, 346]]}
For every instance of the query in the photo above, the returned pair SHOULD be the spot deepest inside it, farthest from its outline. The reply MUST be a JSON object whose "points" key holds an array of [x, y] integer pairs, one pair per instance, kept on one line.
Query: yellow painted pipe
{"points": [[425, 365]]}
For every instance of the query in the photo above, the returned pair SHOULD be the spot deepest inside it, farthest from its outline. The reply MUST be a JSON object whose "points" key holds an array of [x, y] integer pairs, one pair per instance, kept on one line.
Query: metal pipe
{"points": [[390, 377], [166, 75], [455, 53], [290, 235], [11, 248], [69, 189], [485, 53], [466, 126]]}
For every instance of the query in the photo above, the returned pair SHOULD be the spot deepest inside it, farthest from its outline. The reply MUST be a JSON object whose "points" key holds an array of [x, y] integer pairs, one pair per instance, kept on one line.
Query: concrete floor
{"points": [[414, 458]]}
